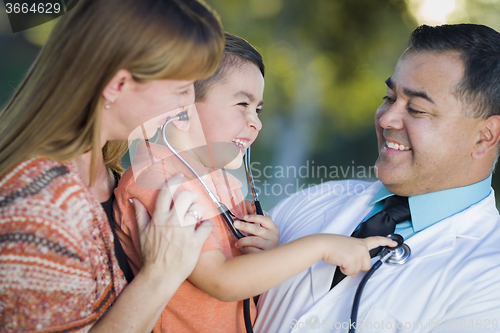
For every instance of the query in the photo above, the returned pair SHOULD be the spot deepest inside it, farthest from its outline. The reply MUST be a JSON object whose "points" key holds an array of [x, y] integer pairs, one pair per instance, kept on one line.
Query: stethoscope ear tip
{"points": [[183, 116]]}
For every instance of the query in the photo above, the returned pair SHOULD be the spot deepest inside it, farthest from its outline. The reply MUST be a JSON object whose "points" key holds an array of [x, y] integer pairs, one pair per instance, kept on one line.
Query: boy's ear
{"points": [[182, 125], [488, 138], [115, 86], [185, 125]]}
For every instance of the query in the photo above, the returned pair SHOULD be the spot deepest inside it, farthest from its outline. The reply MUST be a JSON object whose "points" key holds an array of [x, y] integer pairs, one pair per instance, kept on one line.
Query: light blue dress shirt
{"points": [[427, 209]]}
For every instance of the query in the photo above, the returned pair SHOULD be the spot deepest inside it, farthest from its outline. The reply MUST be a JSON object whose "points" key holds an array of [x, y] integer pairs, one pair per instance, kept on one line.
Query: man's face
{"points": [[425, 141]]}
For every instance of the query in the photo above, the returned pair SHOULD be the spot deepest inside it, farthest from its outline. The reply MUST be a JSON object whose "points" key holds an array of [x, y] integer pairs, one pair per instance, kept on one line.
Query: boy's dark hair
{"points": [[479, 47], [237, 51]]}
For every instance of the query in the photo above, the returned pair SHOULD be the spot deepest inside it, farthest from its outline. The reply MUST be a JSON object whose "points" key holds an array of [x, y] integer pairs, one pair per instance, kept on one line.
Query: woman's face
{"points": [[139, 102]]}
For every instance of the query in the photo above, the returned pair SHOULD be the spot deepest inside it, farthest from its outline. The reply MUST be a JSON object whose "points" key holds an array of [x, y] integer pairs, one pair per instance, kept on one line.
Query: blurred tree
{"points": [[326, 62], [326, 65]]}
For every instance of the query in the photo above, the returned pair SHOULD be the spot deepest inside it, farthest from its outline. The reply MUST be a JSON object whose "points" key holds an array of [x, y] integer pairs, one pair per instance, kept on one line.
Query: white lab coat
{"points": [[451, 283]]}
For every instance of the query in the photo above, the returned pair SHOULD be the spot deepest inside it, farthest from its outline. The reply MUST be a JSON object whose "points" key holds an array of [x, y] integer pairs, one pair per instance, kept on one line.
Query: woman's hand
{"points": [[263, 234], [169, 253], [169, 250]]}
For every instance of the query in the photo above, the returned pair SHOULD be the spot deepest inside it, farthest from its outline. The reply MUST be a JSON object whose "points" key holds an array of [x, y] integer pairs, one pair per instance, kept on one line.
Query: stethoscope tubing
{"points": [[226, 213], [359, 291], [398, 255], [221, 208]]}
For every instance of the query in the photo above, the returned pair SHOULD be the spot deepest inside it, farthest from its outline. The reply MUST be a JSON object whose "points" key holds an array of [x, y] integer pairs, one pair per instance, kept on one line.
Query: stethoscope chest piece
{"points": [[397, 255], [400, 254]]}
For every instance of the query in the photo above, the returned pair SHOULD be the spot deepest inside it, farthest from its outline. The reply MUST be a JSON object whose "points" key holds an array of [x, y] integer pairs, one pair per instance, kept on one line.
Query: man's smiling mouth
{"points": [[396, 146]]}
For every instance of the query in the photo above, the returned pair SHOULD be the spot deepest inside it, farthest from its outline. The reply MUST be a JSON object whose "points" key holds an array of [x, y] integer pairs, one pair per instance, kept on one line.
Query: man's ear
{"points": [[115, 86], [488, 137]]}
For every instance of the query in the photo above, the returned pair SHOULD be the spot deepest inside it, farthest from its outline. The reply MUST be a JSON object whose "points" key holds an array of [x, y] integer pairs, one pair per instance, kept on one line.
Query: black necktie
{"points": [[396, 210]]}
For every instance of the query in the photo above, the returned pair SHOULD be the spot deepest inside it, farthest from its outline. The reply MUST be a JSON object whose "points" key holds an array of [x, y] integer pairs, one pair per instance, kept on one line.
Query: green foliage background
{"points": [[326, 63]]}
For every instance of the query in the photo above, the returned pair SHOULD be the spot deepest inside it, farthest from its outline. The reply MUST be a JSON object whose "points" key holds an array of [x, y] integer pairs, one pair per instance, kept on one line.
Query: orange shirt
{"points": [[190, 309]]}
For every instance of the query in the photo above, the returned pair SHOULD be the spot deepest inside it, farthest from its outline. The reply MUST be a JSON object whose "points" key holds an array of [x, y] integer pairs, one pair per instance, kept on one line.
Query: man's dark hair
{"points": [[236, 53], [479, 47]]}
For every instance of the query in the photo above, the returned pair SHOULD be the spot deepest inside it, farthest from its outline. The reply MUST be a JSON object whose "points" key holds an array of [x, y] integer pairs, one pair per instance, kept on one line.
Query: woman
{"points": [[107, 67]]}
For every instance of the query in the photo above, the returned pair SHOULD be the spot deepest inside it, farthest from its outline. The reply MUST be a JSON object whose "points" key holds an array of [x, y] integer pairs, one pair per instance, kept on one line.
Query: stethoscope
{"points": [[398, 255], [223, 210]]}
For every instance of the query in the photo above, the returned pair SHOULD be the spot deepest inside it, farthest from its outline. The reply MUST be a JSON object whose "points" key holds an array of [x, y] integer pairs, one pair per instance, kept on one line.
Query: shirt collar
{"points": [[427, 209]]}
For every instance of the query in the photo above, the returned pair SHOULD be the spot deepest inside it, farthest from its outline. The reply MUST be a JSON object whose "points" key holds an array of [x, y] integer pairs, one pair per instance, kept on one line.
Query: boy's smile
{"points": [[242, 143]]}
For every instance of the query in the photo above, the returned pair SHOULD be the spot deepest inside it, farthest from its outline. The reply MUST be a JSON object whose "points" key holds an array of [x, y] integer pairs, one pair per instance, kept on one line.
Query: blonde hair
{"points": [[55, 111]]}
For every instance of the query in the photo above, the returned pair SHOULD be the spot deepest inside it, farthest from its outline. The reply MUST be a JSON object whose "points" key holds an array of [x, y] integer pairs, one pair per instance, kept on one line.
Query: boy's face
{"points": [[229, 115]]}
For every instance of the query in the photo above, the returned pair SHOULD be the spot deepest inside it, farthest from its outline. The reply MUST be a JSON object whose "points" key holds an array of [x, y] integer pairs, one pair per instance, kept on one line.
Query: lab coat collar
{"points": [[423, 245], [347, 215], [353, 210], [429, 208], [473, 223]]}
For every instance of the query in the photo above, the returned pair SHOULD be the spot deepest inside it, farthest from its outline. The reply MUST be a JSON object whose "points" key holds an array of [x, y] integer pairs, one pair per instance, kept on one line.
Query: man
{"points": [[438, 131]]}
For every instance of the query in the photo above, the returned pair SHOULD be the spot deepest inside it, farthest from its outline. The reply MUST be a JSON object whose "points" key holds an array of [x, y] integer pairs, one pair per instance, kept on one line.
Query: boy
{"points": [[216, 136]]}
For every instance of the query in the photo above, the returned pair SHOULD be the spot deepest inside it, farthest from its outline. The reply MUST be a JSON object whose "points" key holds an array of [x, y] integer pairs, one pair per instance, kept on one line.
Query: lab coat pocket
{"points": [[377, 320]]}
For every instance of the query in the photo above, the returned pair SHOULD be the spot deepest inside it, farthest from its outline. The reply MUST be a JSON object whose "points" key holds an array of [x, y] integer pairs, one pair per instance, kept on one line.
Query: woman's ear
{"points": [[116, 85], [488, 138]]}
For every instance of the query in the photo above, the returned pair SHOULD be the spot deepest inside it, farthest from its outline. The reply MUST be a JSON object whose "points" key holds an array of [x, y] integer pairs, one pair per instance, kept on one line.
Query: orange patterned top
{"points": [[58, 270], [190, 310]]}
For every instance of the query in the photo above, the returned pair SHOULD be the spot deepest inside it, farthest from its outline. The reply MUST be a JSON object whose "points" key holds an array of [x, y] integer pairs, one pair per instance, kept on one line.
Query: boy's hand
{"points": [[250, 205], [351, 254], [263, 234]]}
